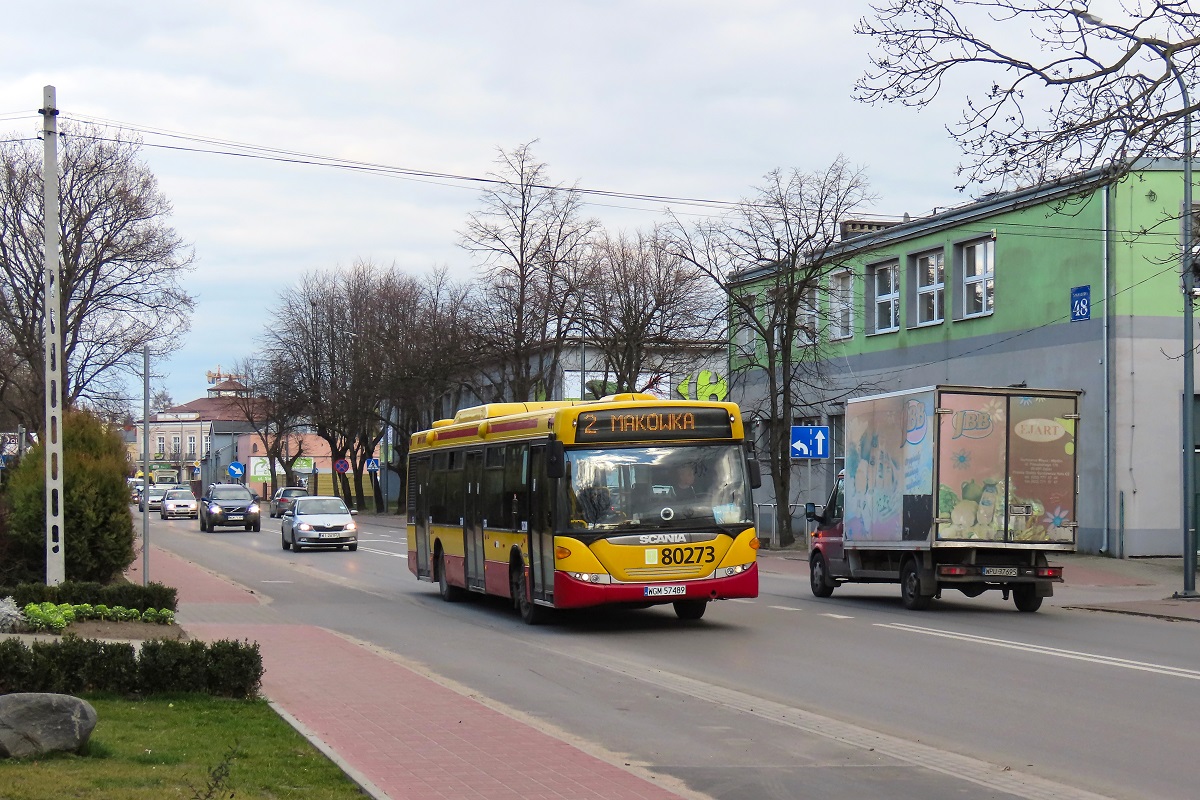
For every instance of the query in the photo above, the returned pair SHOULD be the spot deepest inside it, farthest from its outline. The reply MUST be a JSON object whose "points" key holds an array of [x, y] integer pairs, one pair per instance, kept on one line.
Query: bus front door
{"points": [[473, 520], [541, 529]]}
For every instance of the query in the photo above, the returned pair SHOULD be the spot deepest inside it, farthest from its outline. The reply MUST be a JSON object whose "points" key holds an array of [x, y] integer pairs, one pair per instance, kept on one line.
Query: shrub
{"points": [[15, 666], [11, 618], [130, 595], [234, 669], [99, 540], [72, 665], [168, 665]]}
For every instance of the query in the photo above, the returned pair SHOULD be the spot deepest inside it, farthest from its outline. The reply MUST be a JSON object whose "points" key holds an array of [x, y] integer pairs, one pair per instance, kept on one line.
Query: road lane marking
{"points": [[993, 777], [1074, 655], [265, 581], [784, 608], [836, 616], [384, 552]]}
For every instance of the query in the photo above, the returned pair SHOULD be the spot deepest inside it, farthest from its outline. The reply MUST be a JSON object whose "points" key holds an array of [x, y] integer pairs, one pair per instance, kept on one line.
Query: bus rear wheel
{"points": [[690, 609], [531, 613]]}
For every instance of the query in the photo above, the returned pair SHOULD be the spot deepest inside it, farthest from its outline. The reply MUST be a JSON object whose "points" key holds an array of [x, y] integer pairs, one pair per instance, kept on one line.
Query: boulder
{"points": [[33, 723]]}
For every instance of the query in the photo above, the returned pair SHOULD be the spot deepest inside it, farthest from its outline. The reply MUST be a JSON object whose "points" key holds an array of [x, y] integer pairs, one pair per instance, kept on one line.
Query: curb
{"points": [[353, 774]]}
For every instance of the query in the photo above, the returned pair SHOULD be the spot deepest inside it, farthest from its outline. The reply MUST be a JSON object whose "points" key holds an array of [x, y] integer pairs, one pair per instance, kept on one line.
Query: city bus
{"points": [[573, 504]]}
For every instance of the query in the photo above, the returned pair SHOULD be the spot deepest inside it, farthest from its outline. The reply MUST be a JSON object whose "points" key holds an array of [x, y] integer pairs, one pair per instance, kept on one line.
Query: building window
{"points": [[841, 305], [191, 447], [207, 444], [929, 280], [743, 335], [883, 298], [977, 260], [807, 318], [175, 445], [837, 442], [162, 445]]}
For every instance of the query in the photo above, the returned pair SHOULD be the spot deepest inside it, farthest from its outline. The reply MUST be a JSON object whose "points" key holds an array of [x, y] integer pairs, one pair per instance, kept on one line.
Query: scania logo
{"points": [[664, 538]]}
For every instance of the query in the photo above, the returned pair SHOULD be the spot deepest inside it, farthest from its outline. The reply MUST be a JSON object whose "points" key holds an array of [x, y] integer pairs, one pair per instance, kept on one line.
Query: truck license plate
{"points": [[665, 591], [1001, 572]]}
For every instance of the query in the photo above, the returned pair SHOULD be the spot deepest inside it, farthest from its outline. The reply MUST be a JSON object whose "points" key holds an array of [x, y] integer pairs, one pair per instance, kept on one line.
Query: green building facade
{"points": [[1074, 285]]}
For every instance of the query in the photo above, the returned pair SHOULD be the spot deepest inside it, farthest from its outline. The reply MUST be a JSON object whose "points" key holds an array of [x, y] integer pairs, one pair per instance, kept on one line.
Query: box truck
{"points": [[952, 487]]}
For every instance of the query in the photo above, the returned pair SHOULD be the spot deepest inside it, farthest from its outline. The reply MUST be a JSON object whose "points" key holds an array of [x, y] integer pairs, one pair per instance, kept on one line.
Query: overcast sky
{"points": [[682, 98]]}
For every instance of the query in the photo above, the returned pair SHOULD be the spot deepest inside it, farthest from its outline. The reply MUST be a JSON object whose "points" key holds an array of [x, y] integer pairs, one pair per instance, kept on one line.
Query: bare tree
{"points": [[530, 237], [774, 256], [430, 352], [273, 409], [646, 310], [1065, 92], [121, 269]]}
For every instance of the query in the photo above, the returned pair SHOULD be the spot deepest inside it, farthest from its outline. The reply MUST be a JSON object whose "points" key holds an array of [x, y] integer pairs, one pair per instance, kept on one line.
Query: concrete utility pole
{"points": [[146, 465], [51, 307]]}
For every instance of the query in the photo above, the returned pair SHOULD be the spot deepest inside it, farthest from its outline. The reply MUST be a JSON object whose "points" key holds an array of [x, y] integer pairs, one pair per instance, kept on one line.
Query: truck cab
{"points": [[825, 542]]}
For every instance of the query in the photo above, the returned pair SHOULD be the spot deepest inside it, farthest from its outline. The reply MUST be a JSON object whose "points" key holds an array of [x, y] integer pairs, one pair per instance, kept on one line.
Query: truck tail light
{"points": [[953, 570], [1054, 573]]}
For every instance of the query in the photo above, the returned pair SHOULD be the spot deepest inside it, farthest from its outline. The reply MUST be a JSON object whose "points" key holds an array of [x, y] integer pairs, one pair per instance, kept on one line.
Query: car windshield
{"points": [[179, 494], [230, 492], [321, 505], [655, 487]]}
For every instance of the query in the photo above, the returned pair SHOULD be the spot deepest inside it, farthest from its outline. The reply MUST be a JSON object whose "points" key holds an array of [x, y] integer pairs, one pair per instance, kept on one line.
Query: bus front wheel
{"points": [[451, 594], [531, 613], [690, 609]]}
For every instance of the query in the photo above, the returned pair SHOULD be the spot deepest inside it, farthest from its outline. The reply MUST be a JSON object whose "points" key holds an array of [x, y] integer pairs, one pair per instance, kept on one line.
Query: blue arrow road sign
{"points": [[236, 470], [810, 441], [372, 465]]}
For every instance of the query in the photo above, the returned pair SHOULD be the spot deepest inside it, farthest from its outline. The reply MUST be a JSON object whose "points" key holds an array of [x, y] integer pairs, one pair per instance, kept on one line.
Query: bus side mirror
{"points": [[755, 471], [556, 459]]}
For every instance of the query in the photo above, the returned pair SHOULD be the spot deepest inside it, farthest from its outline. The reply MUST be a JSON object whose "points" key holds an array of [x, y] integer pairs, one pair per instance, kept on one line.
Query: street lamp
{"points": [[1189, 379]]}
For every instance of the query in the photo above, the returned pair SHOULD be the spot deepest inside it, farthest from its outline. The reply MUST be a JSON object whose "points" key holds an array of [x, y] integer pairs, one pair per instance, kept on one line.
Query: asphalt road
{"points": [[786, 695]]}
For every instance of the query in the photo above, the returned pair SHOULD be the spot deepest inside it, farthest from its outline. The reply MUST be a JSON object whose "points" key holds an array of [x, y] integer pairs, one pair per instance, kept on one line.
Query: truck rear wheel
{"points": [[910, 587], [818, 576], [1027, 598]]}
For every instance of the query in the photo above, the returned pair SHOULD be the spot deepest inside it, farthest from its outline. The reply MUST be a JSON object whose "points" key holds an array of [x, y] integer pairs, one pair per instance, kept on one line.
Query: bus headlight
{"points": [[590, 577], [729, 572]]}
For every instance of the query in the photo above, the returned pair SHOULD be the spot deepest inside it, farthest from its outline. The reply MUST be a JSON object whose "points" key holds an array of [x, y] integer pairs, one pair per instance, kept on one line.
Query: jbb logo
{"points": [[914, 421], [972, 424]]}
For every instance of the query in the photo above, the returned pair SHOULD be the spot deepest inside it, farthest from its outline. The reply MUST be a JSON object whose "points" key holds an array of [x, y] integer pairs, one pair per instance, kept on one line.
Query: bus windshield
{"points": [[655, 487]]}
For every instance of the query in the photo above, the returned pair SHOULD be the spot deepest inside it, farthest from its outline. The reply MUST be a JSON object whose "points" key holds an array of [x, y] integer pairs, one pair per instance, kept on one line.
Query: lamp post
{"points": [[1189, 284]]}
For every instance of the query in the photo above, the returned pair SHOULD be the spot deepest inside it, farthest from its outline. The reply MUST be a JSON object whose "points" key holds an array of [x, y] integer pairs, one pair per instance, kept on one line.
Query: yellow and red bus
{"points": [[629, 500]]}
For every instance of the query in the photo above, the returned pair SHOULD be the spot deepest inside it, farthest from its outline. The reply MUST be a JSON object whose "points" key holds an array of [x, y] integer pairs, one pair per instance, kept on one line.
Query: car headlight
{"points": [[253, 509], [215, 509], [304, 526], [350, 526]]}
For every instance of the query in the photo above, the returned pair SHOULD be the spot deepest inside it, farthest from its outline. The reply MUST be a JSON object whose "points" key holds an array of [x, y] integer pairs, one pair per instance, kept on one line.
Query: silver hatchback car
{"points": [[319, 522]]}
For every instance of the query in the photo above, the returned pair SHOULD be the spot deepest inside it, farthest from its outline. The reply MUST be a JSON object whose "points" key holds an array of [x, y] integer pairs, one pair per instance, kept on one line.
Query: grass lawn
{"points": [[178, 746]]}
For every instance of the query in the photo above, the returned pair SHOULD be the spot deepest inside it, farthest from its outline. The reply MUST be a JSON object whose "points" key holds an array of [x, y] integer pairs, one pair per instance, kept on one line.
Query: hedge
{"points": [[129, 595], [72, 665]]}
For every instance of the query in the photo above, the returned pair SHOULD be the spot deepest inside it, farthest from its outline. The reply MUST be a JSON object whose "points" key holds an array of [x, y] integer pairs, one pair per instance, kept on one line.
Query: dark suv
{"points": [[229, 505]]}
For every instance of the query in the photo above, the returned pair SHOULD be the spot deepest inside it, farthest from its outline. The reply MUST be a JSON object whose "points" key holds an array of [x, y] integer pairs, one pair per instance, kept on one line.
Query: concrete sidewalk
{"points": [[395, 730]]}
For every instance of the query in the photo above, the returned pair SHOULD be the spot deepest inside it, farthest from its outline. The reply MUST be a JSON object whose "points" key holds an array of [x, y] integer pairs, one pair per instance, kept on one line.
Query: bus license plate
{"points": [[665, 591], [1000, 572]]}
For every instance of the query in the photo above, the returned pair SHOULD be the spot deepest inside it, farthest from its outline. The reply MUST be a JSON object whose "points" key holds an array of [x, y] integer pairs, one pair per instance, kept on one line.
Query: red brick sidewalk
{"points": [[396, 732]]}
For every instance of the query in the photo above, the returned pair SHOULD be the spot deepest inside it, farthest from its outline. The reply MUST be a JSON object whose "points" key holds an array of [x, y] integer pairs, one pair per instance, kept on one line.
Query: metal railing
{"points": [[774, 535]]}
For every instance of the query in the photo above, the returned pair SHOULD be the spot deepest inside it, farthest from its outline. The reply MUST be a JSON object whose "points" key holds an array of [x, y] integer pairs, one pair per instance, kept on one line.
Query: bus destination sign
{"points": [[642, 424]]}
